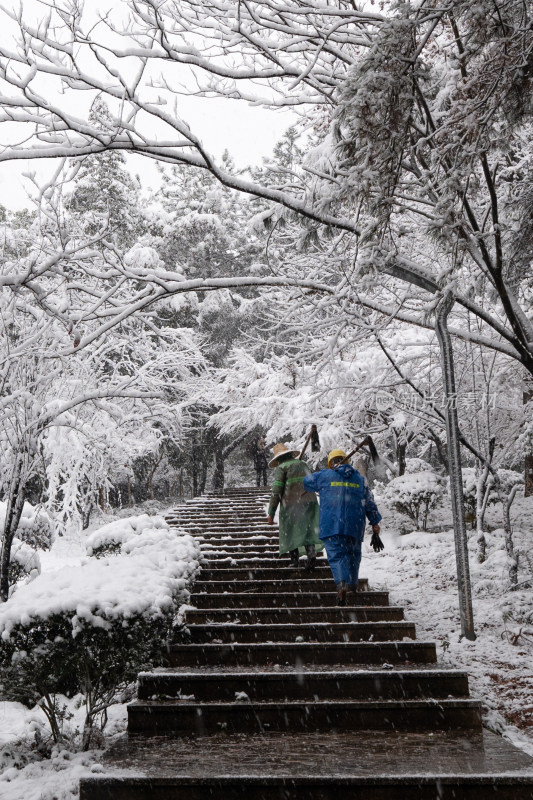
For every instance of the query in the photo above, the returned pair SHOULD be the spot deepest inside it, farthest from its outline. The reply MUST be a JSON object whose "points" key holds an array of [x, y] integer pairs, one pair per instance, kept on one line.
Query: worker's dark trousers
{"points": [[344, 556]]}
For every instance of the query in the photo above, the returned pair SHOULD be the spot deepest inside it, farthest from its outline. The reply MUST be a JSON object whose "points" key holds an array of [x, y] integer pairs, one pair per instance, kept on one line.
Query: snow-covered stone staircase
{"points": [[270, 691]]}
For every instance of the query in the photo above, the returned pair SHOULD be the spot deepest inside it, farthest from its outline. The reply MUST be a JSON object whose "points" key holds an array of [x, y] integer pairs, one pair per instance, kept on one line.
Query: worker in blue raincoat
{"points": [[346, 502]]}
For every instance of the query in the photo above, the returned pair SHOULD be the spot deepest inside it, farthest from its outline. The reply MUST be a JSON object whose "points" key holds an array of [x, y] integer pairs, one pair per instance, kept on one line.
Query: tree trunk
{"points": [[86, 517], [194, 476], [527, 397], [150, 479], [441, 450], [509, 544], [130, 494], [202, 477], [218, 476], [453, 447], [401, 448], [102, 498], [482, 499], [15, 504]]}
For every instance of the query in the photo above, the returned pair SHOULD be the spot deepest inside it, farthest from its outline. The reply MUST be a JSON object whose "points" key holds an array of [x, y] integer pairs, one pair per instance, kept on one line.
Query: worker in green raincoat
{"points": [[298, 514]]}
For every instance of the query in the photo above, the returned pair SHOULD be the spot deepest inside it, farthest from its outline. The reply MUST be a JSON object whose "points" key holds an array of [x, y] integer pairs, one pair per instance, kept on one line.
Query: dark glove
{"points": [[376, 544]]}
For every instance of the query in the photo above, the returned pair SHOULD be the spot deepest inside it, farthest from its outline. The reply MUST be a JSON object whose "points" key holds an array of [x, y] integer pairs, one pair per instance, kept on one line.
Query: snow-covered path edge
{"points": [[418, 569]]}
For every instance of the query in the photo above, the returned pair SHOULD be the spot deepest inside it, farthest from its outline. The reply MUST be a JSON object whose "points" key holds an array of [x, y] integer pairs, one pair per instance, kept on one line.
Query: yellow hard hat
{"points": [[335, 454]]}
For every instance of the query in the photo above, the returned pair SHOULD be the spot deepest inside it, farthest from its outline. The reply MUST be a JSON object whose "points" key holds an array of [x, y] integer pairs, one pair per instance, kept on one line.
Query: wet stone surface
{"points": [[337, 669], [363, 753]]}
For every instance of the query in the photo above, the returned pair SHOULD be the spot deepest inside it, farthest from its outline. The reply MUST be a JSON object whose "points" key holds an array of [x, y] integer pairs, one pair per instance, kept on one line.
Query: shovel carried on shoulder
{"points": [[369, 442], [315, 442]]}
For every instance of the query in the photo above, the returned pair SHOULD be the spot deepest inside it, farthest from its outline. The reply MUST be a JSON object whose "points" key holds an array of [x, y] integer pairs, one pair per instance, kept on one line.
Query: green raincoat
{"points": [[298, 513]]}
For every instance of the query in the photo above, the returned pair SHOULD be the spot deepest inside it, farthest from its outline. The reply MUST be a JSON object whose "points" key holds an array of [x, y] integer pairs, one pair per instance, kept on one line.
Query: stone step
{"points": [[356, 765], [250, 549], [359, 765], [305, 632], [297, 685], [235, 536], [254, 514], [265, 616], [223, 540], [240, 490], [252, 518], [276, 600], [253, 505], [238, 553], [197, 655], [263, 573], [240, 550], [186, 717], [244, 504], [215, 528], [300, 584], [258, 503], [222, 561], [219, 530]]}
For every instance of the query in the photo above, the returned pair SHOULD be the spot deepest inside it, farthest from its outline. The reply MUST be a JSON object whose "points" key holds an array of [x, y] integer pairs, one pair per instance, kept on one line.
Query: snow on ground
{"points": [[418, 569], [28, 771], [26, 775]]}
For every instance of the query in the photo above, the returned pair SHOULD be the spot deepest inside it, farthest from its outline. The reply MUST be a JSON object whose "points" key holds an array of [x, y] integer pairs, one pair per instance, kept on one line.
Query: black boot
{"points": [[341, 593], [311, 557], [351, 593], [295, 558]]}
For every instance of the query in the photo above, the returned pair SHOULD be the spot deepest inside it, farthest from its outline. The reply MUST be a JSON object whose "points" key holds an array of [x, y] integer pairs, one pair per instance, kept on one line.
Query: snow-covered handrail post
{"points": [[454, 460]]}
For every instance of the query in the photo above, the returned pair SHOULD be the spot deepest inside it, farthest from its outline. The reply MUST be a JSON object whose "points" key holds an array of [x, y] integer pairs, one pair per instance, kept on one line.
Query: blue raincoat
{"points": [[345, 502]]}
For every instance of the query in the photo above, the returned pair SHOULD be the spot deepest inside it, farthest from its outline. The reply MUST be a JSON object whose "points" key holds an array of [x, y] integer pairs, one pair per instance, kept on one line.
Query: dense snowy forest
{"points": [[150, 337]]}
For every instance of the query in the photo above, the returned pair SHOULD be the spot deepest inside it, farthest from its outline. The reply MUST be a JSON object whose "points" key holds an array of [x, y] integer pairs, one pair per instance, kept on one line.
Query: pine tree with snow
{"points": [[105, 194]]}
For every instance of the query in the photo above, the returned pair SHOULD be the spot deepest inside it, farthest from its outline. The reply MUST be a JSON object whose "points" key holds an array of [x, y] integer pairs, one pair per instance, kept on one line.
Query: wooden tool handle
{"points": [[349, 456], [305, 445]]}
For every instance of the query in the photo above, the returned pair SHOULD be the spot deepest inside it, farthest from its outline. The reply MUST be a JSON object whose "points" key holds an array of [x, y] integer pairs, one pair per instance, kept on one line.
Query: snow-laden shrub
{"points": [[415, 495], [470, 480], [507, 478], [109, 538], [35, 526], [90, 629], [415, 464], [24, 563]]}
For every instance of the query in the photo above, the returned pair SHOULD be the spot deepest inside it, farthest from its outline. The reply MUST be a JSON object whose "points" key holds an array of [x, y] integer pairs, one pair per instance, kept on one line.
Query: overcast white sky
{"points": [[248, 132]]}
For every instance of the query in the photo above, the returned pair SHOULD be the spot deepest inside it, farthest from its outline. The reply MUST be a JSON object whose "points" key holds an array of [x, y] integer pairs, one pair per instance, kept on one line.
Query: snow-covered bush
{"points": [[415, 495], [91, 629], [35, 526], [24, 563], [415, 464], [507, 478], [109, 538], [470, 480]]}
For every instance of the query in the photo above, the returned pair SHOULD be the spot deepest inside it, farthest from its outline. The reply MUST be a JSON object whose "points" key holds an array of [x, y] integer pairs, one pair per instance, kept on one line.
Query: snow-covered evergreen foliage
{"points": [[35, 526], [109, 539], [90, 629], [415, 494], [25, 563]]}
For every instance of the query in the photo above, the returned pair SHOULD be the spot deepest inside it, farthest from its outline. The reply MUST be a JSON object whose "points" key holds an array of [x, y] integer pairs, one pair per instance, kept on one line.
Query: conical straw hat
{"points": [[279, 450]]}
